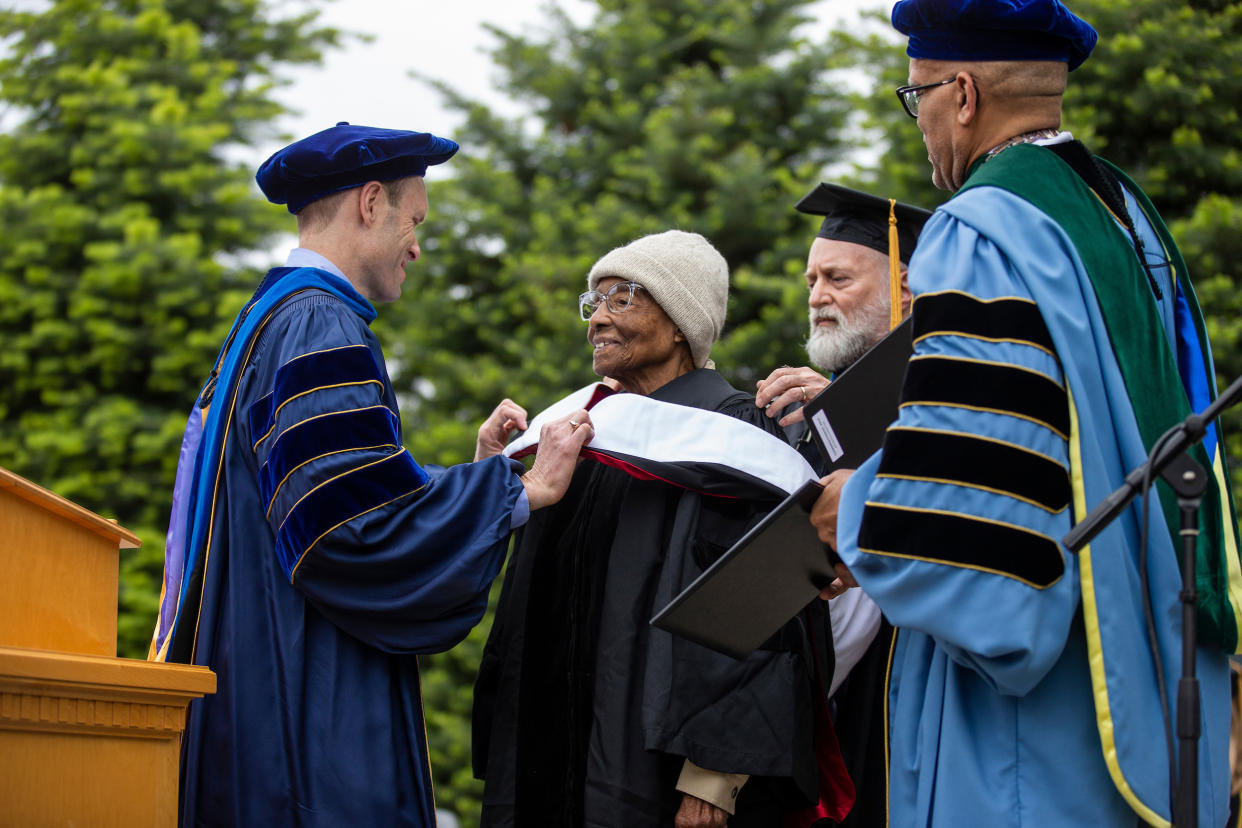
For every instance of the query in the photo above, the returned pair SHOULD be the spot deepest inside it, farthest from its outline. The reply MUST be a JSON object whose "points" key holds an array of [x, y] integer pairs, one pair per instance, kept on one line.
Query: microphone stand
{"points": [[1188, 481]]}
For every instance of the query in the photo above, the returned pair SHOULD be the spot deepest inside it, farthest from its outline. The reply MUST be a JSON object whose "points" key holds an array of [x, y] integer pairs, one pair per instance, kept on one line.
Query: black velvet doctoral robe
{"points": [[584, 714]]}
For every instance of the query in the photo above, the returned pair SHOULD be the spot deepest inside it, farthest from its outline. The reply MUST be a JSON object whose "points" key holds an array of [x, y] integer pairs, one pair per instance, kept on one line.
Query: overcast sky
{"points": [[369, 83]]}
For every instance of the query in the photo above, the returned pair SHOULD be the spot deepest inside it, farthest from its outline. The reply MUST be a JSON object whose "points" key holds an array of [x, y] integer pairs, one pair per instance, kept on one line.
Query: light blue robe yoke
{"points": [[990, 702]]}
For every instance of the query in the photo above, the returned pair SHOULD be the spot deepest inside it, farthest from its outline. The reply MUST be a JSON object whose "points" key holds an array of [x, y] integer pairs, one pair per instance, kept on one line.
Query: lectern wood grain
{"points": [[85, 738], [58, 571]]}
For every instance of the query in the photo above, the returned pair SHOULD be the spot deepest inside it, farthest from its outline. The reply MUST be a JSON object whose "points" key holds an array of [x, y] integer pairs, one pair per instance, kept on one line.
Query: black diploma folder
{"points": [[769, 575], [849, 417], [764, 579]]}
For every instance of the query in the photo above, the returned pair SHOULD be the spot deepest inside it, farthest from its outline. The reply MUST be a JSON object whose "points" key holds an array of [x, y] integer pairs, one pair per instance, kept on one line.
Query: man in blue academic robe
{"points": [[310, 558], [1056, 337]]}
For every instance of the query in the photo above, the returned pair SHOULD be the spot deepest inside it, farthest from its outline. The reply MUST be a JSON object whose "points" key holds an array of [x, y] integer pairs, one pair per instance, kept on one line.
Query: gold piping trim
{"points": [[965, 335], [270, 503], [431, 787], [306, 551], [974, 361], [984, 410], [1108, 209], [976, 487], [321, 351], [292, 360], [215, 491], [255, 447], [1095, 649], [1228, 530], [334, 478], [888, 678], [974, 567], [985, 438], [292, 426], [946, 512], [977, 299]]}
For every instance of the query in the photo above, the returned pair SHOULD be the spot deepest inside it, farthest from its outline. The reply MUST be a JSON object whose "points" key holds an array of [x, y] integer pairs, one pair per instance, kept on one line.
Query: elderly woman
{"points": [[586, 716]]}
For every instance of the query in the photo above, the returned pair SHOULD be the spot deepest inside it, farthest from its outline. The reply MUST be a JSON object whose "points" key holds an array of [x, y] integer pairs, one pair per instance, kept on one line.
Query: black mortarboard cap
{"points": [[861, 218]]}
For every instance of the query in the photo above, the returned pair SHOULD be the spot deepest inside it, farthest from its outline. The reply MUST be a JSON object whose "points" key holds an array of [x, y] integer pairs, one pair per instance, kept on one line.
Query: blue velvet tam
{"points": [[967, 30], [346, 156]]}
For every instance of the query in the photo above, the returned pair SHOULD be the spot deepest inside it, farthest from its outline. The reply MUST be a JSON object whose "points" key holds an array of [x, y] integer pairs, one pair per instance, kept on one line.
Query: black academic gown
{"points": [[858, 704], [584, 714]]}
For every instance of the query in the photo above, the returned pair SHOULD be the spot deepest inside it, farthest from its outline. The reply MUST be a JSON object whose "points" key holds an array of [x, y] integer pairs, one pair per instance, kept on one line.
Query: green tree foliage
{"points": [[123, 215], [1160, 98], [895, 163], [706, 115], [120, 208]]}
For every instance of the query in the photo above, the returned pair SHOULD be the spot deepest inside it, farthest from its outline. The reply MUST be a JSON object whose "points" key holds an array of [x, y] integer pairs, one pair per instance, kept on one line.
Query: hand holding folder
{"points": [[781, 564], [849, 417]]}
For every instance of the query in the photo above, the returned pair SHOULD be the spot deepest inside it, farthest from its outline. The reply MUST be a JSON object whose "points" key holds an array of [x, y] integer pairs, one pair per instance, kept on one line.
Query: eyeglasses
{"points": [[910, 95], [618, 299]]}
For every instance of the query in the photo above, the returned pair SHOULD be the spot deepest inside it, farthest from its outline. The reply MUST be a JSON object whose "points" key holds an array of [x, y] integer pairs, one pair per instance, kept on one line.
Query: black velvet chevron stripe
{"points": [[339, 431], [961, 541], [1002, 319], [974, 461], [1001, 388], [338, 366], [347, 496]]}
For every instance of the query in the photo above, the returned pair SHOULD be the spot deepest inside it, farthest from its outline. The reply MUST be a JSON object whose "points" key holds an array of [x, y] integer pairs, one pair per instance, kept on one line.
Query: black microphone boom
{"points": [[1169, 459], [1190, 431]]}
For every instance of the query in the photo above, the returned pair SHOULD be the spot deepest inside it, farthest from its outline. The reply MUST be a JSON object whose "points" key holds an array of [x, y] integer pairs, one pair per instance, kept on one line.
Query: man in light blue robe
{"points": [[1057, 336], [310, 558]]}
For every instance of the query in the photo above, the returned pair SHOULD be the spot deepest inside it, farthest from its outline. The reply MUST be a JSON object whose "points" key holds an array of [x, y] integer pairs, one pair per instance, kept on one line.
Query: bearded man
{"points": [[848, 293], [850, 297]]}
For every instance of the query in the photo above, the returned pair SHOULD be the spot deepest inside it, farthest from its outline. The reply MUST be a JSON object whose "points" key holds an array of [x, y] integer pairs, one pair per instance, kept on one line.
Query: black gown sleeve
{"points": [[750, 716]]}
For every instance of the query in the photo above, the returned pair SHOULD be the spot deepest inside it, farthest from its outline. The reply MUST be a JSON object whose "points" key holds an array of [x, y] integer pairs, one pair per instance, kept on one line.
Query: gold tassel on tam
{"points": [[894, 268]]}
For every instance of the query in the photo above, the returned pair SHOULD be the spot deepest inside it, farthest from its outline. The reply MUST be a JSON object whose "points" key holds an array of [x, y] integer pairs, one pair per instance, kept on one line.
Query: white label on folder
{"points": [[820, 420]]}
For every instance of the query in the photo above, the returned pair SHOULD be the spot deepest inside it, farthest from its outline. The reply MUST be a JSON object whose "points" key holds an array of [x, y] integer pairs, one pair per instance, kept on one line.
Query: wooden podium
{"points": [[86, 738]]}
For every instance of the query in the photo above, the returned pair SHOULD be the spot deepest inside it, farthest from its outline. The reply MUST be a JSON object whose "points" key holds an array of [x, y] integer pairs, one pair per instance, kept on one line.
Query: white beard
{"points": [[833, 349]]}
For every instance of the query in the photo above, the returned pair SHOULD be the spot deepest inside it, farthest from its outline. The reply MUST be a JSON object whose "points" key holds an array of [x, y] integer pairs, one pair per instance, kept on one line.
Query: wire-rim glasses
{"points": [[909, 95], [618, 299]]}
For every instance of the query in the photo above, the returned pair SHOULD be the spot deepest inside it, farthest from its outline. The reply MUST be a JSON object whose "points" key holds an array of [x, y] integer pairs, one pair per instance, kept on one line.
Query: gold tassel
{"points": [[894, 268]]}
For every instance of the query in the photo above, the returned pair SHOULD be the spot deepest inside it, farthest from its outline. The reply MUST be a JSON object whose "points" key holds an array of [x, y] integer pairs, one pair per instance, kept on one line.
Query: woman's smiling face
{"points": [[639, 343]]}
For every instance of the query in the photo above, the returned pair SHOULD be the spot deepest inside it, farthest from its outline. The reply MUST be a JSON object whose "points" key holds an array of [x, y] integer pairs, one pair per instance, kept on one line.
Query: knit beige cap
{"points": [[687, 277]]}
